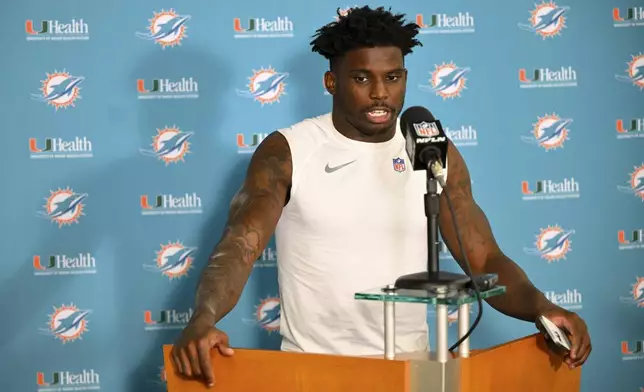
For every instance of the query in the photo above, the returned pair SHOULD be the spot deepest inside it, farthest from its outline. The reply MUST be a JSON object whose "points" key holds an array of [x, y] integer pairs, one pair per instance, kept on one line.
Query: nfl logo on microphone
{"points": [[426, 129], [399, 165]]}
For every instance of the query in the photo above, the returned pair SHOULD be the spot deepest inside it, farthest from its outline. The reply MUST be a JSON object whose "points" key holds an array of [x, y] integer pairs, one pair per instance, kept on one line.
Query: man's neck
{"points": [[348, 130]]}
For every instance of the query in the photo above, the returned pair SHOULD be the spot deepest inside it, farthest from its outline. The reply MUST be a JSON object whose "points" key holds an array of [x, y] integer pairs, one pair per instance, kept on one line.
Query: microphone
{"points": [[425, 141]]}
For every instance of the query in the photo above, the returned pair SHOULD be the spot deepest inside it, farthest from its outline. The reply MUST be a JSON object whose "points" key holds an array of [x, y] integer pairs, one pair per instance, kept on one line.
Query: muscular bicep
{"points": [[473, 226], [258, 204]]}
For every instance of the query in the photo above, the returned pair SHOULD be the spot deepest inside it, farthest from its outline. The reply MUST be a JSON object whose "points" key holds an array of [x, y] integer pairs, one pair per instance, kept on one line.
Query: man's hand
{"points": [[577, 332], [191, 352]]}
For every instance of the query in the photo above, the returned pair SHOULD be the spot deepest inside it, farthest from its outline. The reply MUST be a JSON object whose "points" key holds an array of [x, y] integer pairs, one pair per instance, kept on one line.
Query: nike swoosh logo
{"points": [[332, 169]]}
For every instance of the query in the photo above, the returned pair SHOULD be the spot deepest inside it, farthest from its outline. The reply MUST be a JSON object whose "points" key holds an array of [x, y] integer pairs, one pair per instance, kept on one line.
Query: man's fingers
{"points": [[176, 362], [185, 363], [193, 356], [583, 355], [223, 346], [204, 360]]}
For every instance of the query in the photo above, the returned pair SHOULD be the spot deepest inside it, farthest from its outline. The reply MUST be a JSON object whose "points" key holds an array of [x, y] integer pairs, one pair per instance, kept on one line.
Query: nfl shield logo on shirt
{"points": [[399, 164]]}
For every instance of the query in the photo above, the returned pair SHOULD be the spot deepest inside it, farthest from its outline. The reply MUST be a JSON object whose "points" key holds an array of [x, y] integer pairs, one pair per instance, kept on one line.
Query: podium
{"points": [[521, 365]]}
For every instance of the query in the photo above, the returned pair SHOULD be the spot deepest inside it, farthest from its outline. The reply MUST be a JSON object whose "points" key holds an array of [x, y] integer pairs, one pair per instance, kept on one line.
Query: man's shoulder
{"points": [[307, 133], [313, 123]]}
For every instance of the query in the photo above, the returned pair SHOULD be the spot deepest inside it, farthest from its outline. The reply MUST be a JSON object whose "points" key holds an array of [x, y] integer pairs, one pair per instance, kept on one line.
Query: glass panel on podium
{"points": [[459, 297]]}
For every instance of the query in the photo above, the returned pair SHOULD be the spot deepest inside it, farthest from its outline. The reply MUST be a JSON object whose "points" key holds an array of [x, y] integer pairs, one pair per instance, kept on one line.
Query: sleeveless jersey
{"points": [[355, 221]]}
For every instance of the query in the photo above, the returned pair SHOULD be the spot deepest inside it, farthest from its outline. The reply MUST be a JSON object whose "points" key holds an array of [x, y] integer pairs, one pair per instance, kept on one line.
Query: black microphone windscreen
{"points": [[414, 114]]}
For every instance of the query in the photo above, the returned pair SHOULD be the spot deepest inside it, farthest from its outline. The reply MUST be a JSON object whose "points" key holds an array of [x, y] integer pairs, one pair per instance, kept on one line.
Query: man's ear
{"points": [[329, 82]]}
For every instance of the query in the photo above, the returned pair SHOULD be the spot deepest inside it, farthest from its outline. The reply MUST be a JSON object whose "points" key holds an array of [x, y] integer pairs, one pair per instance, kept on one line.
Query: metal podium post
{"points": [[463, 327], [390, 327], [442, 327]]}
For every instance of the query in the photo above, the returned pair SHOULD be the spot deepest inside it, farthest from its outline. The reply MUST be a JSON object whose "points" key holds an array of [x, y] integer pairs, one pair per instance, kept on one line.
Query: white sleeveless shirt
{"points": [[355, 221]]}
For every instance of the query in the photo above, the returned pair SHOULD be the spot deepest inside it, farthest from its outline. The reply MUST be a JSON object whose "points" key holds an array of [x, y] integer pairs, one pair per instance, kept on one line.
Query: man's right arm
{"points": [[254, 213]]}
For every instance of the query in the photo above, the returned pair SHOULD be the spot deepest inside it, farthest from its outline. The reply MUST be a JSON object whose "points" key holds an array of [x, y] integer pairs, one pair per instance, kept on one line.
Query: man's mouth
{"points": [[379, 115]]}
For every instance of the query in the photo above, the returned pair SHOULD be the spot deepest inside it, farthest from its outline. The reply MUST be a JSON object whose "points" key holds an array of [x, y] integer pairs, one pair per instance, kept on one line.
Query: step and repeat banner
{"points": [[128, 127]]}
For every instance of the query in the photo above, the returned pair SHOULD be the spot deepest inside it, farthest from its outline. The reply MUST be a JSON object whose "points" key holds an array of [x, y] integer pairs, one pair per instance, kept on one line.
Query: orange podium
{"points": [[521, 365]]}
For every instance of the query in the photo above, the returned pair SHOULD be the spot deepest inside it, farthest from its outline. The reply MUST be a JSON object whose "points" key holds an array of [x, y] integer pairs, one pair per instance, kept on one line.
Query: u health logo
{"points": [[629, 129], [546, 20], [629, 17], [462, 22], [57, 30], [50, 148], [85, 380], [166, 28], [281, 27]]}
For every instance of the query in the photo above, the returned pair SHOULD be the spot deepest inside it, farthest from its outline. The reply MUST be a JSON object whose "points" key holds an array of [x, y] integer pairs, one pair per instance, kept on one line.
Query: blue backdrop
{"points": [[125, 140]]}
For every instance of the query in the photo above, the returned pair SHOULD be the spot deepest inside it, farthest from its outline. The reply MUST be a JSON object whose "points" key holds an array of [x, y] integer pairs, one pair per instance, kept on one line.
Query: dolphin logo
{"points": [[452, 78], [638, 76], [270, 316], [63, 89], [267, 86], [546, 20], [638, 188], [550, 132], [166, 29], [553, 244], [71, 322], [169, 146], [65, 206], [179, 259]]}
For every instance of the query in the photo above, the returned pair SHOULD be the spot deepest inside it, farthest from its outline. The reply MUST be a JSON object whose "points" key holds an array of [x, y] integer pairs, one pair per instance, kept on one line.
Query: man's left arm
{"points": [[522, 299]]}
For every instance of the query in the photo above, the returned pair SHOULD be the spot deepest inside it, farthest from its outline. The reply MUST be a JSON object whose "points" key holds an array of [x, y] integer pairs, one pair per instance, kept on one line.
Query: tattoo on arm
{"points": [[521, 300], [254, 213]]}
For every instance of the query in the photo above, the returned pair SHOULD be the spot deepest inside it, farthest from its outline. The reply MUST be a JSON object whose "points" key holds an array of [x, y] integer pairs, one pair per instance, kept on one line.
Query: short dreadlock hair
{"points": [[365, 28]]}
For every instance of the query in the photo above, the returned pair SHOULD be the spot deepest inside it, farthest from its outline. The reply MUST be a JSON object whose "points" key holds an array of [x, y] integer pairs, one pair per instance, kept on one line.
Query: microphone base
{"points": [[433, 281]]}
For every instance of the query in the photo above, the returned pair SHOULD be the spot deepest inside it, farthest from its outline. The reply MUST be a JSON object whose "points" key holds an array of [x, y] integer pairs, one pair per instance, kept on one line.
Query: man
{"points": [[345, 220]]}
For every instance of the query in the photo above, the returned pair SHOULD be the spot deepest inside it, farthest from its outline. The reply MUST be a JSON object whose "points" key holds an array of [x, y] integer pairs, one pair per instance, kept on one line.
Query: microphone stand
{"points": [[434, 281]]}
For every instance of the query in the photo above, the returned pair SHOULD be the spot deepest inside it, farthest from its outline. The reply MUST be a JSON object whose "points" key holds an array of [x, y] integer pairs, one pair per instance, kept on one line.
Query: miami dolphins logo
{"points": [[64, 206], [167, 28], [635, 72], [67, 323], [635, 183], [547, 20], [268, 314], [266, 86], [638, 292], [447, 80], [169, 145], [636, 296], [59, 89], [552, 244], [173, 260], [549, 132]]}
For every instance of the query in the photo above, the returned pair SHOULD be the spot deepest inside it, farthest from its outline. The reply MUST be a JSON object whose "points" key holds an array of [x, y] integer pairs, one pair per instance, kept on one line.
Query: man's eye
{"points": [[360, 79]]}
